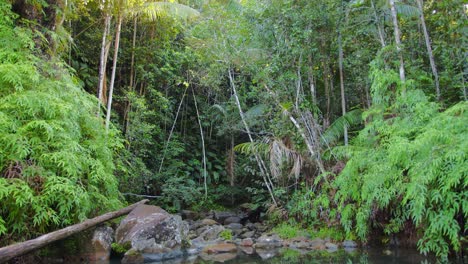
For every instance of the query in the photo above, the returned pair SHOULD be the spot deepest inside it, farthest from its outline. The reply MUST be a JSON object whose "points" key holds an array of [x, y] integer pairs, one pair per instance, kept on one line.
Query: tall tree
{"points": [[397, 33], [429, 47]]}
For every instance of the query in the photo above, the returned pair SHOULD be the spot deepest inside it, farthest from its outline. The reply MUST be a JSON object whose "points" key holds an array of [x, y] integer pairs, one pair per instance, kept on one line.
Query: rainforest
{"points": [[341, 120]]}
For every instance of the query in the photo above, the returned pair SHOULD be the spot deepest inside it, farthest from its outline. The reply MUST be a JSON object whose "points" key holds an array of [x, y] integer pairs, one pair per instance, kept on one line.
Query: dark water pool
{"points": [[290, 256]]}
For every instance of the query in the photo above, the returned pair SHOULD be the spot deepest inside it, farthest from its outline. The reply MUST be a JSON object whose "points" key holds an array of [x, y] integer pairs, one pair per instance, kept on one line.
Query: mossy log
{"points": [[19, 249]]}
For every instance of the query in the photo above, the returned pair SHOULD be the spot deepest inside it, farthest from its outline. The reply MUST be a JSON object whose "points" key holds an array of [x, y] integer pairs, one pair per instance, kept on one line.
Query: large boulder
{"points": [[148, 227], [101, 243]]}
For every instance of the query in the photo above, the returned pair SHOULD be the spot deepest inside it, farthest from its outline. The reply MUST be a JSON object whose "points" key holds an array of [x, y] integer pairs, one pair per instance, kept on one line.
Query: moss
{"points": [[226, 234], [121, 248]]}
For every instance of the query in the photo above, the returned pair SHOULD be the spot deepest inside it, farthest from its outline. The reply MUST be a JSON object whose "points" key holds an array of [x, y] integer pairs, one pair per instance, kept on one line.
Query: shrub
{"points": [[56, 165]]}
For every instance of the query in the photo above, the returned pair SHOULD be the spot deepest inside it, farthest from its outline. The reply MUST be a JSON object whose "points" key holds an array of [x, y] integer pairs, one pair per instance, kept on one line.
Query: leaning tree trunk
{"points": [[396, 30], [114, 67], [261, 164], [429, 48], [172, 130], [378, 25], [19, 249]]}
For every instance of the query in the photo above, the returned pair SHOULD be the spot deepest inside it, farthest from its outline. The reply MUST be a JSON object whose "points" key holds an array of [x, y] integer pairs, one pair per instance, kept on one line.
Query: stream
{"points": [[290, 256]]}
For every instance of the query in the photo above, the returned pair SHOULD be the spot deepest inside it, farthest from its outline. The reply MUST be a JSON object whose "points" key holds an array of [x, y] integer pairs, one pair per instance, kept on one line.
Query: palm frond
{"points": [[156, 10], [280, 154], [255, 111], [220, 108], [407, 11], [336, 130], [249, 148]]}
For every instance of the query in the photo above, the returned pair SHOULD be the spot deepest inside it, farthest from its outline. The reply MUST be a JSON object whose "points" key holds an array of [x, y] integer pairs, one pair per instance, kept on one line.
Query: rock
{"points": [[317, 244], [223, 257], [101, 243], [260, 227], [331, 247], [267, 253], [208, 222], [232, 220], [234, 226], [247, 250], [220, 248], [173, 254], [249, 234], [251, 226], [269, 241], [221, 216], [189, 215], [210, 233], [248, 242], [349, 244], [133, 257], [298, 242], [148, 226]]}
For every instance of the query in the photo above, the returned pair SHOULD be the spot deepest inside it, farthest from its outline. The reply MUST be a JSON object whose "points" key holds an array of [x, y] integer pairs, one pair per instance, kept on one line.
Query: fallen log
{"points": [[19, 249]]}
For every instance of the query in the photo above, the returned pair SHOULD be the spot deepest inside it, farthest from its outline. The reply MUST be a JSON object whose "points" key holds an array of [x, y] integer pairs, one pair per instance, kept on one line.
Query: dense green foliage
{"points": [[297, 106], [56, 159], [410, 163]]}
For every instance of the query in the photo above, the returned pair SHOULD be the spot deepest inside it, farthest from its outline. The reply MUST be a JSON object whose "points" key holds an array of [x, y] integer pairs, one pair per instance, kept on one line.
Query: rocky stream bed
{"points": [[150, 234]]}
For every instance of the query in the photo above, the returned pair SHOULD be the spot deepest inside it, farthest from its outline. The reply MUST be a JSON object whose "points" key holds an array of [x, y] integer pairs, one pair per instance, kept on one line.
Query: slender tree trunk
{"points": [[172, 130], [343, 98], [203, 145], [396, 30], [326, 120], [114, 67], [230, 163], [132, 62], [103, 61], [378, 25], [312, 81], [429, 48], [259, 160], [131, 84], [299, 84]]}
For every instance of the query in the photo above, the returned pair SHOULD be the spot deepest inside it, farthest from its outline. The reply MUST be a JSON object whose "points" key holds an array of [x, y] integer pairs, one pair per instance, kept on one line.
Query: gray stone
{"points": [[220, 248], [219, 258], [317, 244], [234, 226], [189, 215], [101, 243], [249, 234], [267, 253], [247, 242], [269, 241], [210, 233], [133, 257], [232, 220], [349, 244], [148, 226], [331, 246], [221, 216], [177, 253]]}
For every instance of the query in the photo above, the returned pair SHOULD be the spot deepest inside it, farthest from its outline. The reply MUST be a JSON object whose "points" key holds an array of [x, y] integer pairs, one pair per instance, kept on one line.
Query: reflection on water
{"points": [[290, 256]]}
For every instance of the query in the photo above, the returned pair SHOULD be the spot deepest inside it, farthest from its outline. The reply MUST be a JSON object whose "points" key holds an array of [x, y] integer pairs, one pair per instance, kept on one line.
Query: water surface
{"points": [[291, 256]]}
